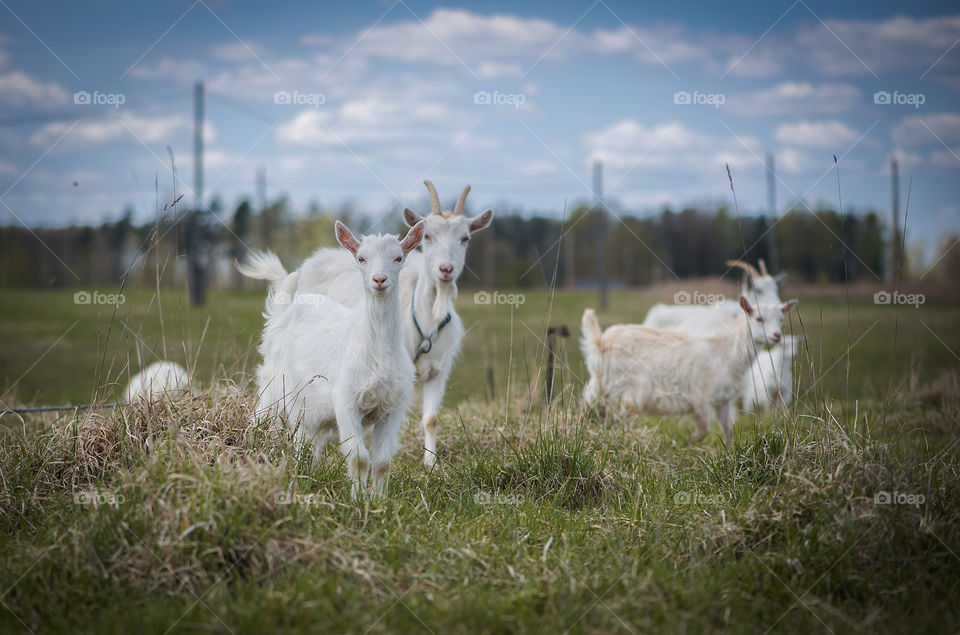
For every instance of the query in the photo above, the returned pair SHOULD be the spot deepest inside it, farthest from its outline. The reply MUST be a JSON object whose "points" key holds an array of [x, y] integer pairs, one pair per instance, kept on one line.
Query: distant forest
{"points": [[517, 251]]}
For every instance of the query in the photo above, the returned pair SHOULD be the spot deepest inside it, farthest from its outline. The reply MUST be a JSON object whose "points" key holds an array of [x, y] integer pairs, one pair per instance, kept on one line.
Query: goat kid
{"points": [[653, 371], [329, 367]]}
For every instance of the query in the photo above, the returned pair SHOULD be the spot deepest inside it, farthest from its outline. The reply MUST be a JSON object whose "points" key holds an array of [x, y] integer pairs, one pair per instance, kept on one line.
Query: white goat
{"points": [[432, 330], [759, 287], [771, 376], [158, 380], [326, 364], [652, 371]]}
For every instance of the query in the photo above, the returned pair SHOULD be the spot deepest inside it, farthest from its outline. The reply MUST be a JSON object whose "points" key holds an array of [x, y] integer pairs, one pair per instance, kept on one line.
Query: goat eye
{"points": [[361, 259], [426, 237], [759, 319], [465, 240], [398, 259]]}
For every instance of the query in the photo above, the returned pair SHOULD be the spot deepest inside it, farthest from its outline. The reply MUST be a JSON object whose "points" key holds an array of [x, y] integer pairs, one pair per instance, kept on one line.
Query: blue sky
{"points": [[386, 94]]}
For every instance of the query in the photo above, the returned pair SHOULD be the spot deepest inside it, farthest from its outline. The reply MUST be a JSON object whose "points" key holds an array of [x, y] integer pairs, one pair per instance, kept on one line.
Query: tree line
{"points": [[518, 250]]}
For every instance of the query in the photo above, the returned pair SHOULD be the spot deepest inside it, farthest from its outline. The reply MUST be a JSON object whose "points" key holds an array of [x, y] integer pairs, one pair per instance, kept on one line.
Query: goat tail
{"points": [[590, 342], [262, 265], [282, 295]]}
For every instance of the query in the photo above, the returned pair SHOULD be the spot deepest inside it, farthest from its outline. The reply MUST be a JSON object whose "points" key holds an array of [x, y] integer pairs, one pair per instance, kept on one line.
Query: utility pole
{"points": [[895, 255], [198, 143], [601, 236], [773, 255], [198, 231], [262, 188]]}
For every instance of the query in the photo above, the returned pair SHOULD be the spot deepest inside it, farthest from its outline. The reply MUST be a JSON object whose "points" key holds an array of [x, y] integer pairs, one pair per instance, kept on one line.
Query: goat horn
{"points": [[458, 208], [746, 266], [763, 268], [434, 198]]}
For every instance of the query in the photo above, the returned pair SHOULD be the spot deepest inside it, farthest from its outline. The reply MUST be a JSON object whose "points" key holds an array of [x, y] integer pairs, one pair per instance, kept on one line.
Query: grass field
{"points": [[841, 514]]}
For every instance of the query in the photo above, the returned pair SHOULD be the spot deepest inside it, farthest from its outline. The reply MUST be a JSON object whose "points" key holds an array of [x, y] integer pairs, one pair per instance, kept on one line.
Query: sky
{"points": [[358, 103]]}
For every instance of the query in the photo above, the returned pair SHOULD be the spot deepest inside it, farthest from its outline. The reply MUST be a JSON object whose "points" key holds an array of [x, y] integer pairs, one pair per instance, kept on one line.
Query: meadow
{"points": [[839, 514]]}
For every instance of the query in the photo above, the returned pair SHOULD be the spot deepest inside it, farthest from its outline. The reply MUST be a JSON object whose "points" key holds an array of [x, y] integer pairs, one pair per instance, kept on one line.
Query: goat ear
{"points": [[346, 238], [411, 218], [786, 306], [412, 239], [481, 222], [780, 277], [745, 305]]}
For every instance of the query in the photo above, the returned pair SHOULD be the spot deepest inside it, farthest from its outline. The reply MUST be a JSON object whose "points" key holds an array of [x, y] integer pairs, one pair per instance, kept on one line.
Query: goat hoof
{"points": [[429, 459]]}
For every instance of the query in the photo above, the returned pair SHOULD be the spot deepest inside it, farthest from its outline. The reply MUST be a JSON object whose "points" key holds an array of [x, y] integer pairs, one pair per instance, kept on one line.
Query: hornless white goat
{"points": [[652, 371], [326, 365], [432, 330], [158, 380], [771, 376]]}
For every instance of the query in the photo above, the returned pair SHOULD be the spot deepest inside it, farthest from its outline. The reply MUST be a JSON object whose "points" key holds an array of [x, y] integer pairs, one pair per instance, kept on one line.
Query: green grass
{"points": [[534, 521]]}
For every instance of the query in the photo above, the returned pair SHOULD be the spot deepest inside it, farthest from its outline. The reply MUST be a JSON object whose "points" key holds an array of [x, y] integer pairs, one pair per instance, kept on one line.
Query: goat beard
{"points": [[446, 294]]}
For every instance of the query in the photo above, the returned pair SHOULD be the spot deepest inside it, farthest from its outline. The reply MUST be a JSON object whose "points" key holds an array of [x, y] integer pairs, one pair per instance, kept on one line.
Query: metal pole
{"points": [[601, 236], [198, 143], [773, 255], [894, 269]]}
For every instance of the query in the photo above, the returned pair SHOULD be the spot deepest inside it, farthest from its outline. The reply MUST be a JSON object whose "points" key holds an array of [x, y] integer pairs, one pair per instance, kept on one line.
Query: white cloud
{"points": [[831, 134], [627, 143], [122, 127], [928, 130], [18, 89], [796, 98], [374, 118]]}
